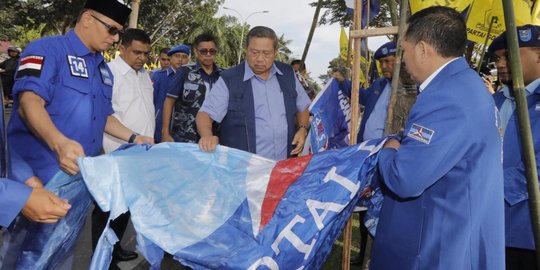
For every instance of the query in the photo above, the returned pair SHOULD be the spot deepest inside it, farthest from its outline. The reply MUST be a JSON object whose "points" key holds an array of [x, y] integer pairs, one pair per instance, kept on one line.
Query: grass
{"points": [[333, 262]]}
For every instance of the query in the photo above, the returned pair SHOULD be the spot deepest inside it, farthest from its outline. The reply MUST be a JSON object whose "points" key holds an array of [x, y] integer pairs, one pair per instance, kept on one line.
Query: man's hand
{"points": [[67, 153], [44, 206], [299, 140], [140, 139], [166, 137], [34, 182], [392, 143], [208, 143]]}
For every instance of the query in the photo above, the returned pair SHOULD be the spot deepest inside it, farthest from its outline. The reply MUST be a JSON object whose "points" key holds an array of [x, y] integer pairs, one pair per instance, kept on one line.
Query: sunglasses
{"points": [[113, 31], [208, 51]]}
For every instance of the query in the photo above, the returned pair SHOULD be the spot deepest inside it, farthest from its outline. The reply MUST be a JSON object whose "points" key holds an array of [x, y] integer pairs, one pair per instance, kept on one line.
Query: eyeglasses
{"points": [[208, 51], [113, 31]]}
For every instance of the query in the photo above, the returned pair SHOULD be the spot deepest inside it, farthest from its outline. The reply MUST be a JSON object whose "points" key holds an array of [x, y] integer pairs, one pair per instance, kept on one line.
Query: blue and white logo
{"points": [[525, 35], [77, 66]]}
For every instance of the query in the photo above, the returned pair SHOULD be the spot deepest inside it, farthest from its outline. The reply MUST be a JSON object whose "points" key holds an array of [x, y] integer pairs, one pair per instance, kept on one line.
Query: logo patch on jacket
{"points": [[30, 66], [420, 133], [77, 66], [537, 107]]}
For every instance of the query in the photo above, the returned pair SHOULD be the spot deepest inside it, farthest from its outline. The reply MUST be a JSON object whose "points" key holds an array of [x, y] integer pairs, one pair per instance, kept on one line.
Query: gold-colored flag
{"points": [[459, 5], [482, 12]]}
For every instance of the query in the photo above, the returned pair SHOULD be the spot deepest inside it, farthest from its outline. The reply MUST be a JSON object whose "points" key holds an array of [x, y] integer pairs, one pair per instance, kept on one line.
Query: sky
{"points": [[293, 19]]}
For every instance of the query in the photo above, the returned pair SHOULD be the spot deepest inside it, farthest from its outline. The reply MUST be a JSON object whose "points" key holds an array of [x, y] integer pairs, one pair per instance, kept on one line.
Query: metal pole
{"points": [[404, 15], [241, 40], [479, 65], [527, 148], [241, 43], [355, 114], [311, 31]]}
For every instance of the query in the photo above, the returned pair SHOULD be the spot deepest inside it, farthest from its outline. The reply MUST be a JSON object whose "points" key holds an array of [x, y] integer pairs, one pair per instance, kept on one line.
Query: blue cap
{"points": [[180, 48], [528, 36], [385, 50]]}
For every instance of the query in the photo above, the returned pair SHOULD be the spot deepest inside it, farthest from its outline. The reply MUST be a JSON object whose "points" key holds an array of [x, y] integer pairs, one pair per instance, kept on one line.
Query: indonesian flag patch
{"points": [[30, 66]]}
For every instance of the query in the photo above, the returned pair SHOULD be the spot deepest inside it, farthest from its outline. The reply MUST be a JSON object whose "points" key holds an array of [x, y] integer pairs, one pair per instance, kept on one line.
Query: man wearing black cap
{"points": [[62, 94], [519, 240]]}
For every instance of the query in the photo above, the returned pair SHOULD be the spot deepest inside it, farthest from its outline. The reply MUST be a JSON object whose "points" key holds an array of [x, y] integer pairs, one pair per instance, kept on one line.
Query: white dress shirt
{"points": [[132, 100]]}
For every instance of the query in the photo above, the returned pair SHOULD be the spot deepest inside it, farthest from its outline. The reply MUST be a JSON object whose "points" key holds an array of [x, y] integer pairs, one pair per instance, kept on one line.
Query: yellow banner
{"points": [[535, 18], [482, 13], [343, 44], [459, 5]]}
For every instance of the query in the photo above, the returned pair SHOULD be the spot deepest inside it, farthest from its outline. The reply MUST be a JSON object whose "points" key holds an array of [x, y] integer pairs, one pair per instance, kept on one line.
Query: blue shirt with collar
{"points": [[519, 233], [161, 80], [509, 105], [376, 121], [13, 195], [270, 119], [76, 85]]}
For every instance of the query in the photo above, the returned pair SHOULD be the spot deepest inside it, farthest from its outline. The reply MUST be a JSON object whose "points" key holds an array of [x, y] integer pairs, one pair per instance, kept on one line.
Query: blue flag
{"points": [[231, 209], [374, 9], [228, 209], [331, 119]]}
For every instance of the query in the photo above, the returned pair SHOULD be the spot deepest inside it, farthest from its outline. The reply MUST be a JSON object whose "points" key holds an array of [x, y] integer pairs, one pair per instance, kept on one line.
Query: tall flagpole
{"points": [[527, 147]]}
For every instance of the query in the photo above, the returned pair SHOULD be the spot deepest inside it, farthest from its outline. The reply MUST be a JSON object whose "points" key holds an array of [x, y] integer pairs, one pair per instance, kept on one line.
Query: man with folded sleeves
{"points": [[62, 93]]}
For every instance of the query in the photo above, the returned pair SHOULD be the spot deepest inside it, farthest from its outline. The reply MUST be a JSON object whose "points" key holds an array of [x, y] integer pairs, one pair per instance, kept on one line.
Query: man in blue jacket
{"points": [[443, 182], [520, 247], [376, 97]]}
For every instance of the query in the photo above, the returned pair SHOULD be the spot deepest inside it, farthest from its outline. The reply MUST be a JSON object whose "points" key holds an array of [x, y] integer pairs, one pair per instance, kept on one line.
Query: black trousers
{"points": [[99, 221], [520, 259]]}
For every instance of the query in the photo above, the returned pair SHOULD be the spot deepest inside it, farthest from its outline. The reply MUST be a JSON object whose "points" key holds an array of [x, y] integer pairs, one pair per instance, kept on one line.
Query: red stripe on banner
{"points": [[283, 175], [33, 60]]}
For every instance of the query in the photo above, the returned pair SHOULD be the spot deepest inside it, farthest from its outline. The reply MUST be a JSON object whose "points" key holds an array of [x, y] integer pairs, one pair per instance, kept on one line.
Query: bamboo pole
{"points": [[392, 30], [527, 148], [311, 31], [404, 15], [355, 101]]}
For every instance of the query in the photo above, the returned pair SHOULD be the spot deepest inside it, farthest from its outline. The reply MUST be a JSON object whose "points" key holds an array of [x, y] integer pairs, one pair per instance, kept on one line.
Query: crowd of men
{"points": [[450, 201]]}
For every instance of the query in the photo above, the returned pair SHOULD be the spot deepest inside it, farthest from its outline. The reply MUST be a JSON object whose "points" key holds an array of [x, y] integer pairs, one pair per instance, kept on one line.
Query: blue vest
{"points": [[238, 126]]}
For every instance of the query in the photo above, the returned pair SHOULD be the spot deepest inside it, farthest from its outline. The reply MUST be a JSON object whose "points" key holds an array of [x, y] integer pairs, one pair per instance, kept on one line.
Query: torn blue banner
{"points": [[31, 246], [231, 209], [331, 119]]}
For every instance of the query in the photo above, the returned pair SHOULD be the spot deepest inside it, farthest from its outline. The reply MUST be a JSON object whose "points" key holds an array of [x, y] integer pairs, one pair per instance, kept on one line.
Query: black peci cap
{"points": [[110, 8]]}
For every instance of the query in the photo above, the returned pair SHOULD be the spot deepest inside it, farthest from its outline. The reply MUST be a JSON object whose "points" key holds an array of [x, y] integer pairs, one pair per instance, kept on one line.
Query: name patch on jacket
{"points": [[30, 66], [537, 107], [77, 66], [105, 75], [420, 133]]}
